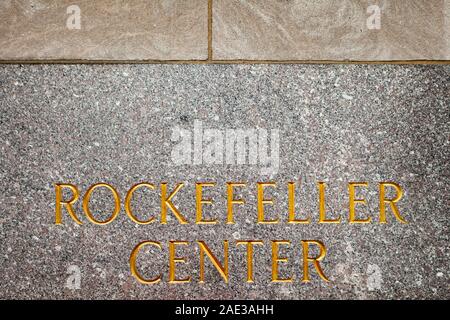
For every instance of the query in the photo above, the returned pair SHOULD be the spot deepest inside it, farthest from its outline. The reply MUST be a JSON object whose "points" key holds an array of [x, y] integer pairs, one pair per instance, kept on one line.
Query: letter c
{"points": [[133, 258]]}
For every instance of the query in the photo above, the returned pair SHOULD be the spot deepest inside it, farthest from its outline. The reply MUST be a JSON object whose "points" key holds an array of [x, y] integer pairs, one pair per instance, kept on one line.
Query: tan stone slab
{"points": [[331, 30], [108, 30]]}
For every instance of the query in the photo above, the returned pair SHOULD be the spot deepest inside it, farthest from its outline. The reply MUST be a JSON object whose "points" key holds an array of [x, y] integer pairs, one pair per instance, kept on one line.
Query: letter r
{"points": [[68, 204]]}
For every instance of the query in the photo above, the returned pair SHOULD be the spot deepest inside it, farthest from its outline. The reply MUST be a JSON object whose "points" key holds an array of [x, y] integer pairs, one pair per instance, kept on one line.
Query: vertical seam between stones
{"points": [[210, 25]]}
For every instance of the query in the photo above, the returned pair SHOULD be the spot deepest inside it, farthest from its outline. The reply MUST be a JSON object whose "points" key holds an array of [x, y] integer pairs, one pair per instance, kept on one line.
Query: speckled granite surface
{"points": [[338, 123]]}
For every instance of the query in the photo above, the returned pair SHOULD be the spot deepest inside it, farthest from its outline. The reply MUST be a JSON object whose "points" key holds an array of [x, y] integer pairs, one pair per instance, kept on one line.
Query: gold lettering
{"points": [[353, 202], [232, 201], [200, 202], [250, 245], [291, 206], [392, 202], [68, 204], [173, 259], [223, 270], [87, 197], [262, 201], [167, 202], [133, 259], [128, 203], [322, 213], [276, 259], [307, 259]]}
